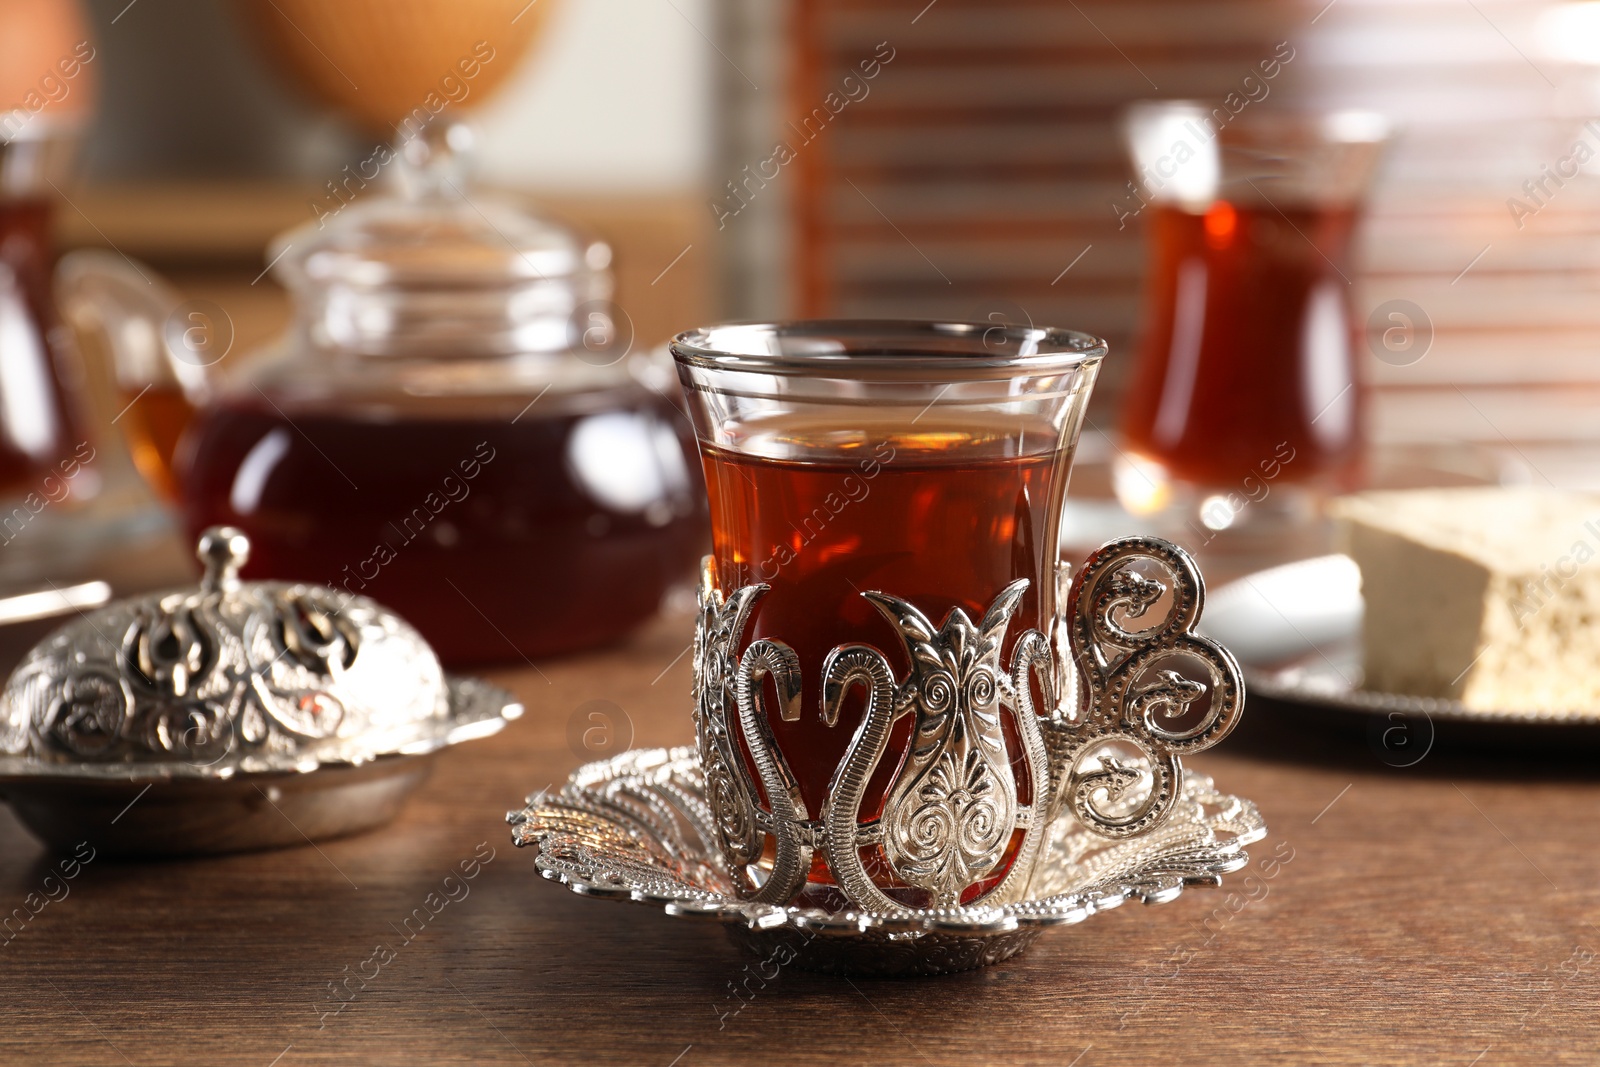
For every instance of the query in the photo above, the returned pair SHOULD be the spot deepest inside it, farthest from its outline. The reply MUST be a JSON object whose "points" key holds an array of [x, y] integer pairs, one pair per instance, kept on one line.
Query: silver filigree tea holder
{"points": [[1104, 807], [234, 716]]}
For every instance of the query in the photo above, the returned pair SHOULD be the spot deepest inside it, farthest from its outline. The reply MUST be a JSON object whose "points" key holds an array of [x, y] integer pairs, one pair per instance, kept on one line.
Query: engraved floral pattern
{"points": [[203, 681], [182, 685], [90, 716], [955, 833], [954, 807]]}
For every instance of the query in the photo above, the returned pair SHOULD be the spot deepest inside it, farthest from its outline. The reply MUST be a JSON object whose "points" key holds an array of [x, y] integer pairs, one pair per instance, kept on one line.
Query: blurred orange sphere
{"points": [[46, 58], [383, 61]]}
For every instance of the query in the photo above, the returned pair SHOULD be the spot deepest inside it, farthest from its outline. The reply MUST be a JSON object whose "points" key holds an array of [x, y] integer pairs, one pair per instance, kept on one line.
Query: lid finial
{"points": [[435, 160], [222, 551]]}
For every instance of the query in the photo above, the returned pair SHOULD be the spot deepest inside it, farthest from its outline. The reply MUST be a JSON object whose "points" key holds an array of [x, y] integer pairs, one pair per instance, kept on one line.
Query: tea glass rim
{"points": [[1285, 124], [846, 348]]}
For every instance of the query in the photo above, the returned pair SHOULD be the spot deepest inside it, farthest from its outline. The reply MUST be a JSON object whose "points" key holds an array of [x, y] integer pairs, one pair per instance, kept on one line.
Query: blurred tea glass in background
{"points": [[1246, 400], [40, 422], [156, 348], [63, 500], [45, 92]]}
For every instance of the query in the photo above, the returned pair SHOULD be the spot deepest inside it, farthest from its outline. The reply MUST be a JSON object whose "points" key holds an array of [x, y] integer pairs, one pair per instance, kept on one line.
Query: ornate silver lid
{"points": [[233, 677], [445, 271]]}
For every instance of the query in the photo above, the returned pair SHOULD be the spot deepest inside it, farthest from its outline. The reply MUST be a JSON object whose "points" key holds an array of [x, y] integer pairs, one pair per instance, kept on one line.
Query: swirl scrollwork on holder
{"points": [[792, 859], [954, 807], [964, 817], [727, 689], [1130, 691]]}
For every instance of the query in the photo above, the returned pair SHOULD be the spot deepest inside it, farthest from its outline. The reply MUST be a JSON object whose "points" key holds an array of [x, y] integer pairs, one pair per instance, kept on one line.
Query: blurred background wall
{"points": [[975, 174], [201, 149], [616, 97]]}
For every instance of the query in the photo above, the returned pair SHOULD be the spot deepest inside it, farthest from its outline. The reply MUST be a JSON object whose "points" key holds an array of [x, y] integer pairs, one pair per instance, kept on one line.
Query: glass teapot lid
{"points": [[439, 270]]}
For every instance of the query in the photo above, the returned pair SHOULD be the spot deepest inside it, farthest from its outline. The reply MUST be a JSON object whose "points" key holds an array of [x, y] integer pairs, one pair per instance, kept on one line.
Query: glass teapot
{"points": [[451, 424]]}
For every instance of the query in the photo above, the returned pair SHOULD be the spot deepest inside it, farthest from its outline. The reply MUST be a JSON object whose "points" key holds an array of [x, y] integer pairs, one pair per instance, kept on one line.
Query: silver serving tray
{"points": [[178, 808], [1296, 631], [637, 828]]}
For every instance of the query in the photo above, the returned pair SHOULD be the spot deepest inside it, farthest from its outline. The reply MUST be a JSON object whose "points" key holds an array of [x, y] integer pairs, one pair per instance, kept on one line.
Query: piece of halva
{"points": [[1489, 596]]}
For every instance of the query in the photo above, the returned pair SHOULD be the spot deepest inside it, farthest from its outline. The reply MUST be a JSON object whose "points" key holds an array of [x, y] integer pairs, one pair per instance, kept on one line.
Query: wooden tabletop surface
{"points": [[1443, 913]]}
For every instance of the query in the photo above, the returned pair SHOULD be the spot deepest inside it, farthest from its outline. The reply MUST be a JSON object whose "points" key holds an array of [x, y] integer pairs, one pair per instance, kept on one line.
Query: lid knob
{"points": [[222, 551], [436, 159]]}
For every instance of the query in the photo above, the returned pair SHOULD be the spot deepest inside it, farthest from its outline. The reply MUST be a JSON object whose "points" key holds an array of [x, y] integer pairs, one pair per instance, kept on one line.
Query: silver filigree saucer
{"points": [[637, 828]]}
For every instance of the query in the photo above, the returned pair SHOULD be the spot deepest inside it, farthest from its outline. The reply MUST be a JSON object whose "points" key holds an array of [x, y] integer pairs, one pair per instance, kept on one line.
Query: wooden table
{"points": [[1441, 914]]}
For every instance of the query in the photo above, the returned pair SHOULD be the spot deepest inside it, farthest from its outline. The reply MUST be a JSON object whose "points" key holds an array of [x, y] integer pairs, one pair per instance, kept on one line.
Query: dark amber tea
{"points": [[942, 514], [497, 537], [38, 426], [153, 420], [1247, 356]]}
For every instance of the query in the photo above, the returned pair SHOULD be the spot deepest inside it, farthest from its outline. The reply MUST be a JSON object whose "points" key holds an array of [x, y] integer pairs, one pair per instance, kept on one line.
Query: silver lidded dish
{"points": [[234, 716]]}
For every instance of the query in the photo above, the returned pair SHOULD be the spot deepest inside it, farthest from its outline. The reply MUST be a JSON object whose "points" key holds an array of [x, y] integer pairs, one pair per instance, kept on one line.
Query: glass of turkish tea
{"points": [[848, 459], [1245, 406]]}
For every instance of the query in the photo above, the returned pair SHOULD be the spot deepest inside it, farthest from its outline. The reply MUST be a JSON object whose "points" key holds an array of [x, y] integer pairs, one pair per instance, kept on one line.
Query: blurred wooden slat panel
{"points": [[986, 157], [1510, 415], [1546, 357]]}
